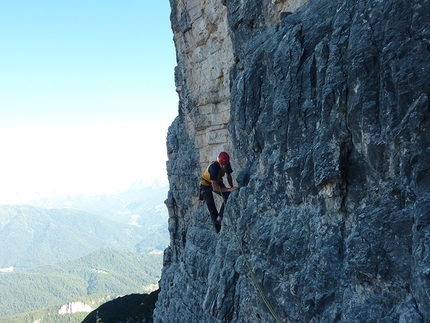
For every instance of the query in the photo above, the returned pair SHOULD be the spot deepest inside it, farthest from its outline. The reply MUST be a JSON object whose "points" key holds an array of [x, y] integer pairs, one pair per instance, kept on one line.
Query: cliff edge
{"points": [[324, 109]]}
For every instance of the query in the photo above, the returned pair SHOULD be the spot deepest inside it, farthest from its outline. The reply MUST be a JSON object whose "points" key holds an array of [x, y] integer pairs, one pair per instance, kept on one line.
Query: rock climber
{"points": [[212, 181]]}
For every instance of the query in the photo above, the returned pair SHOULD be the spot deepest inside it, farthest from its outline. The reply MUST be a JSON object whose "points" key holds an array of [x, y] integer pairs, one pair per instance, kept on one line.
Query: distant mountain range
{"points": [[145, 202], [33, 236]]}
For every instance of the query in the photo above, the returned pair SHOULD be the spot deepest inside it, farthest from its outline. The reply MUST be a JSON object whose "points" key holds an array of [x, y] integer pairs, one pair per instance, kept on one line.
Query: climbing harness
{"points": [[256, 284]]}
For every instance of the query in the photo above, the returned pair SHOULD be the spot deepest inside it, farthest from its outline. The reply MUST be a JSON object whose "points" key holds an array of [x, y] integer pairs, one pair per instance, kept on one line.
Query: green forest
{"points": [[103, 275], [79, 250]]}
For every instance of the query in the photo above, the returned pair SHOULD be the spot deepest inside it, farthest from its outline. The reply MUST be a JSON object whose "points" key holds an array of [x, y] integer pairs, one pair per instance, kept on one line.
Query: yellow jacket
{"points": [[206, 177]]}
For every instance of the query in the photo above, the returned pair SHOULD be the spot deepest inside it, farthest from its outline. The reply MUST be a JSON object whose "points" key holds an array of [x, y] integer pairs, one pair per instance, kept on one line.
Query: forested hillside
{"points": [[94, 279], [81, 250]]}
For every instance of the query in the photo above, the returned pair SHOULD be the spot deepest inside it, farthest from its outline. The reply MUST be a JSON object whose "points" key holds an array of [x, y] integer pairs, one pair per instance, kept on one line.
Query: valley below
{"points": [[62, 258]]}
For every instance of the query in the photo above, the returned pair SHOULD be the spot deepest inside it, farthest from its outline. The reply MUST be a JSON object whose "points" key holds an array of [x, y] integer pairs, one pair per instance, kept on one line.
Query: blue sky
{"points": [[86, 95]]}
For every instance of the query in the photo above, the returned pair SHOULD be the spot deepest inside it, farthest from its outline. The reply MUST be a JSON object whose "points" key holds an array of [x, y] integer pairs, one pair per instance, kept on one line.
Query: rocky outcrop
{"points": [[74, 307], [205, 56], [324, 109], [133, 308]]}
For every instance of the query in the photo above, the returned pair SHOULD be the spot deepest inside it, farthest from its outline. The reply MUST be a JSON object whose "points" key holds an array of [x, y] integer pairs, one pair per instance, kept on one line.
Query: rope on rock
{"points": [[254, 280]]}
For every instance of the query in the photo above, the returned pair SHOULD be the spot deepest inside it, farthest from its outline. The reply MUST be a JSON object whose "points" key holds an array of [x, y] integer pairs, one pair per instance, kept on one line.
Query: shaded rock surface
{"points": [[329, 130], [134, 308]]}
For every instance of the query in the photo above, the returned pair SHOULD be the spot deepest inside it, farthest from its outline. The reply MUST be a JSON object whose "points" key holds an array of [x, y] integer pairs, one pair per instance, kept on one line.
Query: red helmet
{"points": [[223, 158]]}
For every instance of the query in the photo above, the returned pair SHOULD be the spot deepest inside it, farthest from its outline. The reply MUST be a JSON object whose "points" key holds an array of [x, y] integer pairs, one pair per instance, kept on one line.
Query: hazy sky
{"points": [[86, 95]]}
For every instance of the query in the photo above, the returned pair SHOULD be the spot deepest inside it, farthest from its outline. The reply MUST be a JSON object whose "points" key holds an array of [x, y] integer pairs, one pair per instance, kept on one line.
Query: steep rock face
{"points": [[329, 128], [205, 56]]}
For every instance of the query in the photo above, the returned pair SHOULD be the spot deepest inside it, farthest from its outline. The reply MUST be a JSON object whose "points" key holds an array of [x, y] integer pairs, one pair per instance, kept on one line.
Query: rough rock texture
{"points": [[326, 114], [205, 56]]}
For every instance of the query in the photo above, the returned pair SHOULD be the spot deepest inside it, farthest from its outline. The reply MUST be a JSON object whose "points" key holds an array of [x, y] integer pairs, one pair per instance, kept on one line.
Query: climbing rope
{"points": [[256, 284]]}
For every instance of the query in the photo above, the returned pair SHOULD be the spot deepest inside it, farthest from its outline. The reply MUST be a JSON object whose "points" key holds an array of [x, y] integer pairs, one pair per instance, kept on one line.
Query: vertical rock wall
{"points": [[205, 56], [326, 114]]}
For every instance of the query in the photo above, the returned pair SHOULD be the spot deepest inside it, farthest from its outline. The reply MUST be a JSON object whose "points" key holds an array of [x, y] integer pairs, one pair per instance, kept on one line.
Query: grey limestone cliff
{"points": [[324, 109]]}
